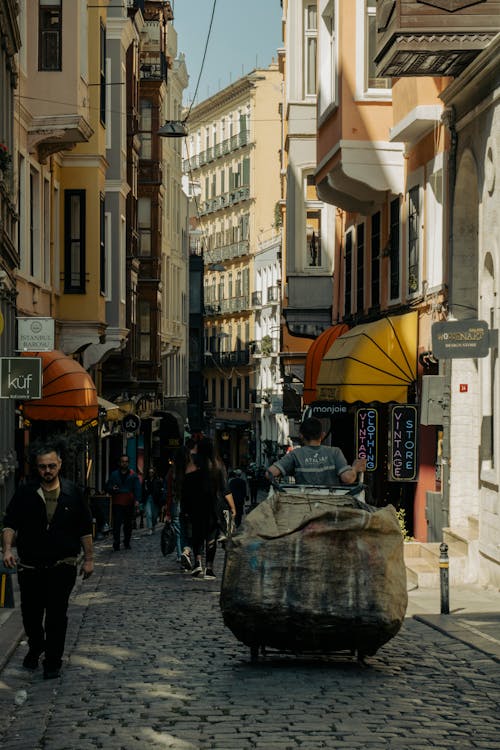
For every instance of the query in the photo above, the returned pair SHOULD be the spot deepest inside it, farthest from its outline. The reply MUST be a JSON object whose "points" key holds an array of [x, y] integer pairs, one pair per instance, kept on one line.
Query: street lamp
{"points": [[173, 129], [215, 267]]}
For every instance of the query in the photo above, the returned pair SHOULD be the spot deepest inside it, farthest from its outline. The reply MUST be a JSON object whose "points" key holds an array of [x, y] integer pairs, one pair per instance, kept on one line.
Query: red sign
{"points": [[464, 387]]}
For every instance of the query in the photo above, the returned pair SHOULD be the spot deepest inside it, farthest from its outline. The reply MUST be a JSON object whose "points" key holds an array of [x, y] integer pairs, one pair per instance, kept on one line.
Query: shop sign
{"points": [[35, 334], [325, 409], [131, 423], [21, 377], [460, 339], [367, 436], [403, 444]]}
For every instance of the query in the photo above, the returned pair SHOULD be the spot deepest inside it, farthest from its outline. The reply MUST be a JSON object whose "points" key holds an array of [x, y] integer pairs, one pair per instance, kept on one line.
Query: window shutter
{"points": [[246, 171]]}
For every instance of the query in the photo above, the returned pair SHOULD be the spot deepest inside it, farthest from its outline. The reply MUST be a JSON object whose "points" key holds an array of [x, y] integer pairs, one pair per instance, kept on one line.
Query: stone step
{"points": [[457, 540], [422, 563]]}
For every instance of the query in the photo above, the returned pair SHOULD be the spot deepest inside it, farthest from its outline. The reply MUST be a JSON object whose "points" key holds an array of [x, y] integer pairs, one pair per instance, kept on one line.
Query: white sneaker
{"points": [[197, 571]]}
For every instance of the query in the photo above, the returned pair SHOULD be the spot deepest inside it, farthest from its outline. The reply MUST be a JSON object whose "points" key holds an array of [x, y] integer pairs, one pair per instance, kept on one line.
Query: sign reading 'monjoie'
{"points": [[21, 377]]}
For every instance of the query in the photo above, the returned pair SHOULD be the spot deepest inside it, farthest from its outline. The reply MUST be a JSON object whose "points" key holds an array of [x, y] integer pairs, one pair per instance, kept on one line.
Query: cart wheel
{"points": [[254, 654], [361, 658]]}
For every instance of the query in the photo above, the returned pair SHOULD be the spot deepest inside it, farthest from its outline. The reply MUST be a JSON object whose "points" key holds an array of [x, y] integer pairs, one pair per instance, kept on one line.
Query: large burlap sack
{"points": [[315, 572]]}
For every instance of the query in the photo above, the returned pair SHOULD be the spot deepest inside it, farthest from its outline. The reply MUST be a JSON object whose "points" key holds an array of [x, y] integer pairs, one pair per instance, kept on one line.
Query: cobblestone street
{"points": [[150, 665]]}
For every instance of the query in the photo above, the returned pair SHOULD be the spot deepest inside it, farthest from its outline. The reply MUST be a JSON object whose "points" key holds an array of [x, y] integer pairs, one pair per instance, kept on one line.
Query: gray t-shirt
{"points": [[314, 464]]}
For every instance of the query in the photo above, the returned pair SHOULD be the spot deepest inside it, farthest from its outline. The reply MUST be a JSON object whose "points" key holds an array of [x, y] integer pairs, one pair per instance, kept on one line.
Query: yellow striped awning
{"points": [[371, 362]]}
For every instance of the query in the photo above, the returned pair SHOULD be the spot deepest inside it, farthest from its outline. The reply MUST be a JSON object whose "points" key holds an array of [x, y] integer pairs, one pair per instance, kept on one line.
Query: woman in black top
{"points": [[205, 495]]}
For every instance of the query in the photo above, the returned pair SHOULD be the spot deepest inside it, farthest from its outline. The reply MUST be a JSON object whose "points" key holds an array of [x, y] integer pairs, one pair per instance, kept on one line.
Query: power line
{"points": [[203, 61]]}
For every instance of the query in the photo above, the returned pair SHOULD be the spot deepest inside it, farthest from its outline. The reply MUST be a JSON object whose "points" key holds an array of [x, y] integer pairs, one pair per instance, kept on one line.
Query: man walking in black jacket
{"points": [[50, 522]]}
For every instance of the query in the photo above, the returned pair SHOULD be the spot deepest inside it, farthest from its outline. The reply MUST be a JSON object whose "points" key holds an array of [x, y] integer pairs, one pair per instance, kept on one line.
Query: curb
{"points": [[463, 632]]}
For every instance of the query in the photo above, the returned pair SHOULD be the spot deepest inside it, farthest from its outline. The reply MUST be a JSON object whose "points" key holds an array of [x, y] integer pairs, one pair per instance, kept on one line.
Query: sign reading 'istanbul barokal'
{"points": [[35, 334], [21, 377], [460, 339]]}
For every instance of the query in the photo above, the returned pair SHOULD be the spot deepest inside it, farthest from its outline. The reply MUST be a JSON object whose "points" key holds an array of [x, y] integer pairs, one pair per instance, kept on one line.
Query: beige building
{"points": [[232, 154]]}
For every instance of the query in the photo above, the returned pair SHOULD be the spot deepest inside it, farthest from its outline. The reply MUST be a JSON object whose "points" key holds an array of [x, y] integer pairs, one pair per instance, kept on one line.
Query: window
{"points": [[375, 260], [144, 225], [34, 224], [74, 241], [434, 223], [102, 245], [373, 81], [144, 330], [102, 75], [310, 46], [214, 392], [47, 229], [414, 240], [313, 239], [313, 233], [394, 249], [327, 79], [222, 393], [247, 392], [360, 268], [348, 275], [145, 127], [50, 35]]}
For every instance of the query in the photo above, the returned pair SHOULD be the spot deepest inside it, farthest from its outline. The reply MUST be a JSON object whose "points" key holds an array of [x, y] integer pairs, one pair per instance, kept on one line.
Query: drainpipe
{"points": [[448, 119]]}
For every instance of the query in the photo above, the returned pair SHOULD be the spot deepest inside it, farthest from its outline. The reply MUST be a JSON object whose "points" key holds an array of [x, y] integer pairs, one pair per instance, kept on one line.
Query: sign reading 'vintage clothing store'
{"points": [[367, 436], [403, 444]]}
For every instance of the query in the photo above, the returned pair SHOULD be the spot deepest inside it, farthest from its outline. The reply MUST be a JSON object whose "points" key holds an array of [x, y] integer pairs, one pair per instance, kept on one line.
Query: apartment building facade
{"points": [[458, 46], [9, 256], [308, 221], [233, 156]]}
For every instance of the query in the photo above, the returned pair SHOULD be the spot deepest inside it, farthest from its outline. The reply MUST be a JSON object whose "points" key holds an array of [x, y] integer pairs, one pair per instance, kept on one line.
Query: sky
{"points": [[245, 34]]}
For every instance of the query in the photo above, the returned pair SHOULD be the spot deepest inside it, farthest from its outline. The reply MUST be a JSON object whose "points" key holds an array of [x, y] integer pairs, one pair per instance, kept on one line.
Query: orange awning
{"points": [[371, 362], [315, 355], [68, 391]]}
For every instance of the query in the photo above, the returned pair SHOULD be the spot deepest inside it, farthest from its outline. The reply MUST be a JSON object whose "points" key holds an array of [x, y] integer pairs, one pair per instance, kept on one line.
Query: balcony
{"points": [[225, 200], [273, 294], [153, 66], [212, 309], [228, 252], [216, 151], [256, 299], [150, 173], [441, 38]]}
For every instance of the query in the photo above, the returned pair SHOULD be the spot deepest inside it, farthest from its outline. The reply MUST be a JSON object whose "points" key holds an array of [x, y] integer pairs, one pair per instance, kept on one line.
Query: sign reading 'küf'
{"points": [[21, 377], [403, 444]]}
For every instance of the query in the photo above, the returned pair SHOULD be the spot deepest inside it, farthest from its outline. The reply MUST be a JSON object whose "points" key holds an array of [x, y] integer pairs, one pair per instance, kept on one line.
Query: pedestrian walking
{"points": [[124, 486], [151, 498], [314, 463], [253, 485], [207, 501], [172, 493], [50, 522], [238, 487]]}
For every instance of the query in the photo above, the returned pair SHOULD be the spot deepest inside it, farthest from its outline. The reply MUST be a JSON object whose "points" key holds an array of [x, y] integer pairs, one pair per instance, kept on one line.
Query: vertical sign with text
{"points": [[367, 436], [403, 444]]}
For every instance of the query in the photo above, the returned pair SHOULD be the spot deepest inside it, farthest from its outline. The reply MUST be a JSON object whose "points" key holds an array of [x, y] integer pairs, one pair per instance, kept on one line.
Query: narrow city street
{"points": [[150, 664]]}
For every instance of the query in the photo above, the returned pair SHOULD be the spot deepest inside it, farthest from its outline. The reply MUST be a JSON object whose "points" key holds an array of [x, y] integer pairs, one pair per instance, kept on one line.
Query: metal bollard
{"points": [[444, 578]]}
